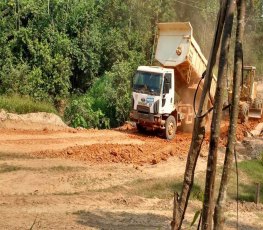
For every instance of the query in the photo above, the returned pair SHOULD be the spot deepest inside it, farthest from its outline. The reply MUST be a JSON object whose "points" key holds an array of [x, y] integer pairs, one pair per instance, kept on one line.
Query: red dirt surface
{"points": [[123, 145], [242, 129], [151, 150]]}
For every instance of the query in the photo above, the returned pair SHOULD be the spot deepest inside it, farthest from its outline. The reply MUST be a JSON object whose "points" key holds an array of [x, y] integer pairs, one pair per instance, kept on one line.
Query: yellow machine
{"points": [[251, 105]]}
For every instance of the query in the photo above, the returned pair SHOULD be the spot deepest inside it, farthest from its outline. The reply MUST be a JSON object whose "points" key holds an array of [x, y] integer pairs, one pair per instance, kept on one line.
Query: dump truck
{"points": [[162, 96], [251, 103]]}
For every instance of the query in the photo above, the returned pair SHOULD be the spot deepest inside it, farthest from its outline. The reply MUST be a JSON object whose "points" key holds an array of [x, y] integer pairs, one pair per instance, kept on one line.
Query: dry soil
{"points": [[80, 179]]}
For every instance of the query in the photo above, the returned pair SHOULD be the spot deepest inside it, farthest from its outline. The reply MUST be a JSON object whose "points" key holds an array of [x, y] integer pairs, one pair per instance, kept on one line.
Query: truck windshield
{"points": [[147, 82]]}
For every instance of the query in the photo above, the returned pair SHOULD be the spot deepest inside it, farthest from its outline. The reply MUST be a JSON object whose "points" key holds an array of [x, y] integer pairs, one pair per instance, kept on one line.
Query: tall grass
{"points": [[21, 105], [250, 173]]}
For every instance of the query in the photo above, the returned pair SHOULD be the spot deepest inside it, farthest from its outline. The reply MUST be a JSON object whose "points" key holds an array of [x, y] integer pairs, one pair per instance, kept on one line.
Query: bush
{"points": [[81, 113], [108, 102]]}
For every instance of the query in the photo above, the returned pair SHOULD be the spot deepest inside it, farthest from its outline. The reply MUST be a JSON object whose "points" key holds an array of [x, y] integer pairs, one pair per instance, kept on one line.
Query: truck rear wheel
{"points": [[170, 127]]}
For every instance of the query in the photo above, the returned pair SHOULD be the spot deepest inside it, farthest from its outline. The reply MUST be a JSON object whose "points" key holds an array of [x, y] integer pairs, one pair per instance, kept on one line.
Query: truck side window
{"points": [[167, 84], [168, 79]]}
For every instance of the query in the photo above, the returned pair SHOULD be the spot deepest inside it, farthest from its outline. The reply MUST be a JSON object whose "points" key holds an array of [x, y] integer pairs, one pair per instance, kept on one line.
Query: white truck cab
{"points": [[153, 98]]}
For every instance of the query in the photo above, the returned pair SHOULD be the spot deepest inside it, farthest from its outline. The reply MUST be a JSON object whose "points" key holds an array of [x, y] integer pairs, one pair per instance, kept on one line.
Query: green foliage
{"points": [[21, 105], [116, 95], [108, 101], [81, 113], [51, 50], [47, 50]]}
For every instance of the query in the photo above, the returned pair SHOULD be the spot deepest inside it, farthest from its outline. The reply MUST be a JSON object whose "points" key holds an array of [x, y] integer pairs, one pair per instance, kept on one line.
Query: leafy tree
{"points": [[58, 48]]}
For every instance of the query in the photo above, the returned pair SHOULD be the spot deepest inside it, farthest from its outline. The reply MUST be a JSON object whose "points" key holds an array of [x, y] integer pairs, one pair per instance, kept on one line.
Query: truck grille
{"points": [[143, 109]]}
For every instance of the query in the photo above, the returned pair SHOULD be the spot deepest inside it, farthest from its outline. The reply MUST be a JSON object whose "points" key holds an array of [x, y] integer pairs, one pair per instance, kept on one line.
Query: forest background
{"points": [[80, 55]]}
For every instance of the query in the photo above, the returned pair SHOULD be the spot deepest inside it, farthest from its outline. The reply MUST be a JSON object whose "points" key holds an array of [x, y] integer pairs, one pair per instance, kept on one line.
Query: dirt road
{"points": [[56, 193], [99, 146], [91, 179], [124, 144], [36, 183]]}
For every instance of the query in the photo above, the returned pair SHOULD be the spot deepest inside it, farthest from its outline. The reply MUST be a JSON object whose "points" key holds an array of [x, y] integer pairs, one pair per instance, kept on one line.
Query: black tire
{"points": [[170, 127], [140, 128], [244, 109]]}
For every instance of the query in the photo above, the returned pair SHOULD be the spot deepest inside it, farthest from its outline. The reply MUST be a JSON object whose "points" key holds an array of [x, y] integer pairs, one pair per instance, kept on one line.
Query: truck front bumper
{"points": [[147, 119]]}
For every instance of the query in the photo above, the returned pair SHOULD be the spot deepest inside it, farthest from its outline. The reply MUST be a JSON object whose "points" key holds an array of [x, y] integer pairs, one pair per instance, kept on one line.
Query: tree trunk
{"points": [[181, 203], [219, 209], [208, 205]]}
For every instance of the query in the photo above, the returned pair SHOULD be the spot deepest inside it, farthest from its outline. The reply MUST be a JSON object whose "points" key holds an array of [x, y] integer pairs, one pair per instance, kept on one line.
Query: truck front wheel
{"points": [[170, 127]]}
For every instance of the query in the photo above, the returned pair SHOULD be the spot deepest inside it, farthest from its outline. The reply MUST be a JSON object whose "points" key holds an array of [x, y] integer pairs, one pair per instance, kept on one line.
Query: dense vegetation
{"points": [[84, 52]]}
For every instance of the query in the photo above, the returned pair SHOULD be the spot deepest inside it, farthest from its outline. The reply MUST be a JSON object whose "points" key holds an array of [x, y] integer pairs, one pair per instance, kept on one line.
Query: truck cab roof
{"points": [[155, 69]]}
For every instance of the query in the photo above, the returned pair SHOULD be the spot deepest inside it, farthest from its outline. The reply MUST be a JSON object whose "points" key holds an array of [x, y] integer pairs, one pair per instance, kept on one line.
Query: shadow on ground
{"points": [[122, 220]]}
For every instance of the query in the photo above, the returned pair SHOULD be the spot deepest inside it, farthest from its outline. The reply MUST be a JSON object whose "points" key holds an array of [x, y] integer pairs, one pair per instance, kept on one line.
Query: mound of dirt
{"points": [[31, 121], [152, 151], [114, 153], [242, 130]]}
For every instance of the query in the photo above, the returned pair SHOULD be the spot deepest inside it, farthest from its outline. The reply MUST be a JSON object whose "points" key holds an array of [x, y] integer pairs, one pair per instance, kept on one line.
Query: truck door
{"points": [[167, 104]]}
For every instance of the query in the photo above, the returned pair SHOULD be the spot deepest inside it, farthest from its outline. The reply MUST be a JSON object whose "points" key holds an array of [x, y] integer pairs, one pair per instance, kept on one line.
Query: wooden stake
{"points": [[257, 193]]}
